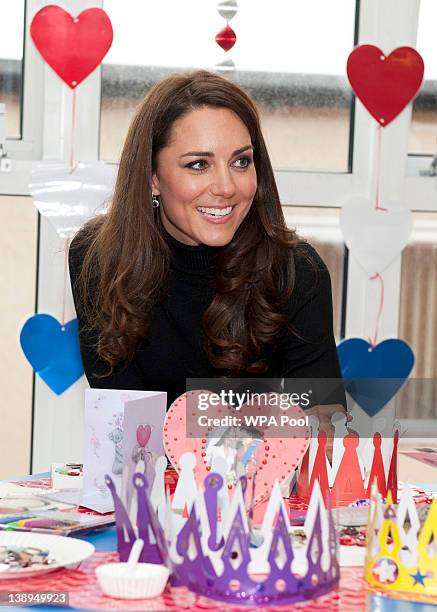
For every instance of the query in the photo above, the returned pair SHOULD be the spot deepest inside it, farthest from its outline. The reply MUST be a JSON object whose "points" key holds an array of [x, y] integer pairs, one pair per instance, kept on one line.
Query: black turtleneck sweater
{"points": [[173, 351]]}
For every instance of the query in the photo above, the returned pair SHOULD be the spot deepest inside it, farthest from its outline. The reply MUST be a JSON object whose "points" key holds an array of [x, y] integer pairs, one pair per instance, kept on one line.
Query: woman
{"points": [[193, 273]]}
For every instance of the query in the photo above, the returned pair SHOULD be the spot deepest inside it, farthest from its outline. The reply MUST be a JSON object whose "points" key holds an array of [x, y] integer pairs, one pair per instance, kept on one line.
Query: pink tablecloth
{"points": [[85, 592]]}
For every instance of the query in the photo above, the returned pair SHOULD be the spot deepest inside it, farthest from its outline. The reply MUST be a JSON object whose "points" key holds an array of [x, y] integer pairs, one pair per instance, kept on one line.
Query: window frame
{"points": [[29, 146]]}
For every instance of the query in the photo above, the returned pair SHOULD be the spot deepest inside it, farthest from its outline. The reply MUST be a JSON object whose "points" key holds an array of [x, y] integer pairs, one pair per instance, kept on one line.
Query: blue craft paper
{"points": [[372, 377], [52, 352]]}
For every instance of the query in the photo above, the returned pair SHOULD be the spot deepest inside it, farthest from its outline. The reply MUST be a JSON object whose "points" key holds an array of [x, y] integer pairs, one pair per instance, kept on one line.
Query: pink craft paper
{"points": [[427, 457], [277, 457]]}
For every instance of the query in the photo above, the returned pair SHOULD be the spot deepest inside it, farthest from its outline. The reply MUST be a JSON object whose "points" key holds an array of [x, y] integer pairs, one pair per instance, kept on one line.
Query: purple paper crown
{"points": [[215, 563]]}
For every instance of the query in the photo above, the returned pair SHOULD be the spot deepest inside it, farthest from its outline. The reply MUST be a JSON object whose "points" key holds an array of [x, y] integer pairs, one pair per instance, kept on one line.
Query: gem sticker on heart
{"points": [[276, 457]]}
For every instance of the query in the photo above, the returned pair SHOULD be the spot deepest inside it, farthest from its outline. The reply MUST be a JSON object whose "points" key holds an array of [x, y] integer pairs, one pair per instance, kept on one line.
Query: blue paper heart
{"points": [[372, 376], [52, 351]]}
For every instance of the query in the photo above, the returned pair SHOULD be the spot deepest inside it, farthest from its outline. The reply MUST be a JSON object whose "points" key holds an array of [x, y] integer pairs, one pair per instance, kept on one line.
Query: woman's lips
{"points": [[217, 219]]}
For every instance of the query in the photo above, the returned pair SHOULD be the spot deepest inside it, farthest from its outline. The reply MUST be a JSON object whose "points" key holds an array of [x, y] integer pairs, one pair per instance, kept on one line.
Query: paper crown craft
{"points": [[401, 553], [215, 558], [355, 465]]}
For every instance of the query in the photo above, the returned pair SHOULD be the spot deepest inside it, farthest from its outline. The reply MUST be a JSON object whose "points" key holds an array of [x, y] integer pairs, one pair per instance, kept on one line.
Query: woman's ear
{"points": [[155, 185]]}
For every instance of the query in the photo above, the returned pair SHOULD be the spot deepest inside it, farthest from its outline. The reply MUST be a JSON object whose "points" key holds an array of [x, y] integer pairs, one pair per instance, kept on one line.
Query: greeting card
{"points": [[123, 433]]}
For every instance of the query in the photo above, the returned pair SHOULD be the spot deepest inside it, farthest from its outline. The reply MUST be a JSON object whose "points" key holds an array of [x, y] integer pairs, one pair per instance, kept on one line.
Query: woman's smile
{"points": [[216, 214]]}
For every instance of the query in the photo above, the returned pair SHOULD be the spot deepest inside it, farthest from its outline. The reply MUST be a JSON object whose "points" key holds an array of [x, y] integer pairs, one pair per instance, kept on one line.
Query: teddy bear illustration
{"points": [[116, 436]]}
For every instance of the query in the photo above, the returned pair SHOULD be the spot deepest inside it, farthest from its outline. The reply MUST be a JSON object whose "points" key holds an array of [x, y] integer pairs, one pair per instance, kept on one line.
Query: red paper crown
{"points": [[349, 484]]}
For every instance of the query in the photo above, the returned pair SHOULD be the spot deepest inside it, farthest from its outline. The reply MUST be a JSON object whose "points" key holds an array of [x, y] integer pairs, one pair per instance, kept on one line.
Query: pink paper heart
{"points": [[143, 434], [276, 457]]}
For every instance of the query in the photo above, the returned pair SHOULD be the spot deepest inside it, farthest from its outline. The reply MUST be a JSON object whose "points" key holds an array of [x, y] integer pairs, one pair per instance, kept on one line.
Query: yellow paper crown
{"points": [[401, 554]]}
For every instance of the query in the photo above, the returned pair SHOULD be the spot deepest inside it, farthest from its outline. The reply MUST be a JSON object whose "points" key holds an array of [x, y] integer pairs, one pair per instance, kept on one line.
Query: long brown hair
{"points": [[126, 262]]}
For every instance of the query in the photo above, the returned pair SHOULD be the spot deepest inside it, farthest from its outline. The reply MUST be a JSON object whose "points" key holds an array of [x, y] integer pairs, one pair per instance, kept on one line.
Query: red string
{"points": [[378, 168], [373, 342], [73, 129], [64, 295]]}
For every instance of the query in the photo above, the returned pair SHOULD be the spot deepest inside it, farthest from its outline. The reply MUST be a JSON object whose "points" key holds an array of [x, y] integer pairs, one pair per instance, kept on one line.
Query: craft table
{"points": [[349, 598]]}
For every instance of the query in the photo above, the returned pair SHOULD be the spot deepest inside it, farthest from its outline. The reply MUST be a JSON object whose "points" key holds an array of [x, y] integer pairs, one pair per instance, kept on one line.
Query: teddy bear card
{"points": [[123, 432]]}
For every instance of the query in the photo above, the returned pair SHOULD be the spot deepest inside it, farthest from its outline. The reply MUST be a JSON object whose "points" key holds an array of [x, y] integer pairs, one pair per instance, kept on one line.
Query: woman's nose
{"points": [[223, 183]]}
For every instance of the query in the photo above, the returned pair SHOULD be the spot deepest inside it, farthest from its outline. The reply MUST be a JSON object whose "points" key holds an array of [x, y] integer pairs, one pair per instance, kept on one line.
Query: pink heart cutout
{"points": [[143, 434], [277, 457]]}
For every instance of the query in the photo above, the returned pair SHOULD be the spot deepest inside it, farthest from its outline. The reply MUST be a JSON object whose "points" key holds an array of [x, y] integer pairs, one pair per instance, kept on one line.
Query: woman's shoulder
{"points": [[311, 279], [76, 255], [79, 248], [80, 244], [310, 269]]}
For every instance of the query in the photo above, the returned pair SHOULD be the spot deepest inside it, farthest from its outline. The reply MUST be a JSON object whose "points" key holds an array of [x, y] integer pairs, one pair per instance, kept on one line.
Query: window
{"points": [[423, 130], [11, 64], [303, 96]]}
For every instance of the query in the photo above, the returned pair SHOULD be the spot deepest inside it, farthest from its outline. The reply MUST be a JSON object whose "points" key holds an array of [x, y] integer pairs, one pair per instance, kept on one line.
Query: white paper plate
{"points": [[67, 552]]}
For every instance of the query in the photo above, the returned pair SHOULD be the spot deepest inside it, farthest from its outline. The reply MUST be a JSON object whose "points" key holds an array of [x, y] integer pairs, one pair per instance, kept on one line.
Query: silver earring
{"points": [[155, 201]]}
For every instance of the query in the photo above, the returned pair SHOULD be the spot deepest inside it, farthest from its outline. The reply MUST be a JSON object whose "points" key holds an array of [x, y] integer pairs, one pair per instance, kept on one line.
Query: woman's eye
{"points": [[243, 162], [200, 164]]}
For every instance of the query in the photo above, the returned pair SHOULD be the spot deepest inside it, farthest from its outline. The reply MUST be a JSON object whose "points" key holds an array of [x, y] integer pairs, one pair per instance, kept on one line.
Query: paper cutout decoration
{"points": [[372, 377], [276, 457], [345, 481], [374, 236], [283, 575], [226, 38], [227, 9], [52, 351], [72, 46], [68, 199], [385, 84], [399, 550]]}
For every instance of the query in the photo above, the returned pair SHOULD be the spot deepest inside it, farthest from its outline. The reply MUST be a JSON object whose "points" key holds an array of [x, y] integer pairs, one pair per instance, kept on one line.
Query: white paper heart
{"points": [[68, 199], [375, 237]]}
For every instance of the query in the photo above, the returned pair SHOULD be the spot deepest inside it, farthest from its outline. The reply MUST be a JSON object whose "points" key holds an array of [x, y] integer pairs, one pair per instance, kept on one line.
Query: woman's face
{"points": [[205, 177]]}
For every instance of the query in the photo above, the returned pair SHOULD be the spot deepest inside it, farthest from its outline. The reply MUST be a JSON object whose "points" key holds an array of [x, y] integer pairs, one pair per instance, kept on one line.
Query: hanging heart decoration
{"points": [[276, 457], [373, 375], [227, 9], [226, 38], [374, 236], [72, 46], [52, 350], [67, 199], [385, 84]]}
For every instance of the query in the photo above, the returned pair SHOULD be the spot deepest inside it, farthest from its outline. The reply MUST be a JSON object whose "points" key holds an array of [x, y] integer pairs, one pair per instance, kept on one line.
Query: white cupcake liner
{"points": [[146, 581]]}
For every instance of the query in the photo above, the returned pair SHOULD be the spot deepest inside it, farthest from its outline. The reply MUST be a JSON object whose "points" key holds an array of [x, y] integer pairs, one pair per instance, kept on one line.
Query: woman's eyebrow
{"points": [[210, 154]]}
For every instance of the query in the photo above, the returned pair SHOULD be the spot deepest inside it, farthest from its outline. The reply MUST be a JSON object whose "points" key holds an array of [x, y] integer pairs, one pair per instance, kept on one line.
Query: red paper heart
{"points": [[385, 84], [143, 434], [276, 457], [72, 46]]}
